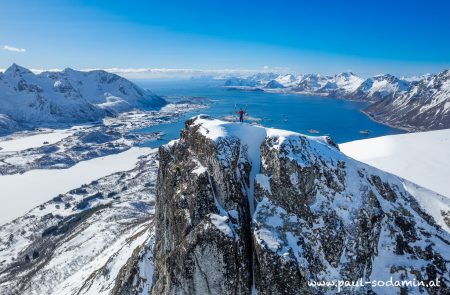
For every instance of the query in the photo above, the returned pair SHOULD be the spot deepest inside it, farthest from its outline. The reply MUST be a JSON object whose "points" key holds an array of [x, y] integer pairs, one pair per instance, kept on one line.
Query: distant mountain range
{"points": [[66, 97], [422, 103]]}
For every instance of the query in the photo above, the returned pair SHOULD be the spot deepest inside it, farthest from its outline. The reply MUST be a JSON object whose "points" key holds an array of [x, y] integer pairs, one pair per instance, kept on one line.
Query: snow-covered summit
{"points": [[15, 70], [380, 87], [348, 81], [256, 80], [342, 84], [67, 97]]}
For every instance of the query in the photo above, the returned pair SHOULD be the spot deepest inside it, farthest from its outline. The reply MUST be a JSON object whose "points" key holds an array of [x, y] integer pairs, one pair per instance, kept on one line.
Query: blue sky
{"points": [[367, 37]]}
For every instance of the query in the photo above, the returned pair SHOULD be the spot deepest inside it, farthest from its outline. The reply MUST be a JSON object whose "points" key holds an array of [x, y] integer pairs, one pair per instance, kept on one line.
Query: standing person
{"points": [[241, 113]]}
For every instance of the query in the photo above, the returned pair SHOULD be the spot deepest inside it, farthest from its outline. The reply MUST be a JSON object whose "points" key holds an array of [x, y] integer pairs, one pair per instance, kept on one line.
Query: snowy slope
{"points": [[66, 97], [348, 82], [7, 124], [287, 80], [423, 158]]}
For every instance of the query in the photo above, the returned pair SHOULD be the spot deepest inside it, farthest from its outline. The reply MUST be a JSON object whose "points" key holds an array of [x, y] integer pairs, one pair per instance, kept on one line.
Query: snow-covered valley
{"points": [[37, 186], [20, 142]]}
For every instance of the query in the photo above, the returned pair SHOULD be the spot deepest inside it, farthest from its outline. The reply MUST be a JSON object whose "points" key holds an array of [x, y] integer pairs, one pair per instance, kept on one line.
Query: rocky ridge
{"points": [[243, 208]]}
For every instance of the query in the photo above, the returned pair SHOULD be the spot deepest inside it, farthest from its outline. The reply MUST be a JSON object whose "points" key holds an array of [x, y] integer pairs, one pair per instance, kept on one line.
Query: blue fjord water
{"points": [[340, 119]]}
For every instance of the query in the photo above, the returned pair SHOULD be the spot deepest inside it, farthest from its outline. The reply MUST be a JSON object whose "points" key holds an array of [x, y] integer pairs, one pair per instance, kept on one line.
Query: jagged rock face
{"points": [[190, 211], [242, 207]]}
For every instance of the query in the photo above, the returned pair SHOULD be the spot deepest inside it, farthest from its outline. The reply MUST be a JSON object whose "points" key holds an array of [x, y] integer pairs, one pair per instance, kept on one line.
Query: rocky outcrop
{"points": [[242, 208], [197, 188]]}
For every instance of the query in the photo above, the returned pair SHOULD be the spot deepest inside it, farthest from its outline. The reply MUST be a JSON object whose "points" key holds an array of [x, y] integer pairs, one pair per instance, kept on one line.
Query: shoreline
{"points": [[408, 130]]}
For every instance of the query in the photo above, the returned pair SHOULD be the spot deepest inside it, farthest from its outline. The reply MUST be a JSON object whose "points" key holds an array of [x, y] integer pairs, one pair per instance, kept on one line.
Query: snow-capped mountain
{"points": [[311, 83], [416, 78], [380, 87], [342, 84], [66, 97], [242, 208], [287, 80], [258, 80], [425, 106]]}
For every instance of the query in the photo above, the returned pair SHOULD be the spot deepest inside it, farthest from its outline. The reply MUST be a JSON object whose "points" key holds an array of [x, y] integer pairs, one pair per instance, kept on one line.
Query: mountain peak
{"points": [[346, 74], [445, 73], [15, 69], [68, 69], [259, 200]]}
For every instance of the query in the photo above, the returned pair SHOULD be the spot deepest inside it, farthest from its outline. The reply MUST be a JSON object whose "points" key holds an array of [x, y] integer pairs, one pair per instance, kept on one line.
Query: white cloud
{"points": [[13, 49]]}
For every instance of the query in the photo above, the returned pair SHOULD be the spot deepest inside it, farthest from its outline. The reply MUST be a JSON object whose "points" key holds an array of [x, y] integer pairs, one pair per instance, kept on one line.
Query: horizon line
{"points": [[186, 73]]}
